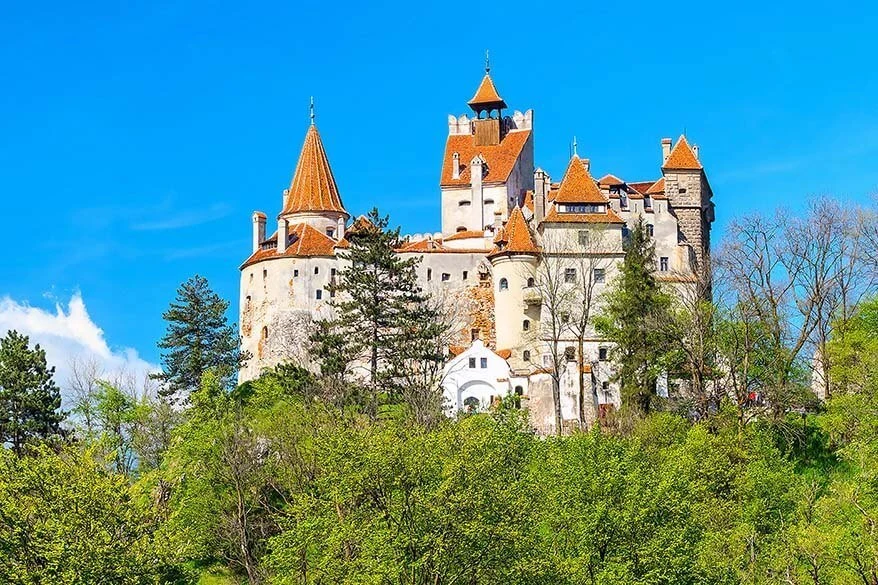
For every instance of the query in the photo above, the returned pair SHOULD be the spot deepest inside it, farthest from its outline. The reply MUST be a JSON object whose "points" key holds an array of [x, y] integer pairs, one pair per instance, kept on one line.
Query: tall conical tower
{"points": [[488, 162]]}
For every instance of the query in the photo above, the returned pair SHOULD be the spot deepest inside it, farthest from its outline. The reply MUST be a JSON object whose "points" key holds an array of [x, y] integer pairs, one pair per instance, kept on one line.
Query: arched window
{"points": [[247, 303], [471, 404], [264, 333], [525, 325], [525, 355], [461, 228], [504, 284], [530, 281]]}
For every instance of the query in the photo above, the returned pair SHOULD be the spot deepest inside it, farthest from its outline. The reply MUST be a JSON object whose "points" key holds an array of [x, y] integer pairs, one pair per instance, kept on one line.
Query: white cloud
{"points": [[69, 335]]}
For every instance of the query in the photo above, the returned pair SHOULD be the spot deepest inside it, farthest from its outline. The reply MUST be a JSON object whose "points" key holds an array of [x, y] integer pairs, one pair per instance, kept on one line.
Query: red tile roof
{"points": [[464, 235], [657, 188], [487, 94], [504, 353], [304, 241], [500, 158], [641, 186], [427, 246], [529, 200], [610, 180], [577, 186], [515, 238], [682, 157], [313, 186], [609, 217]]}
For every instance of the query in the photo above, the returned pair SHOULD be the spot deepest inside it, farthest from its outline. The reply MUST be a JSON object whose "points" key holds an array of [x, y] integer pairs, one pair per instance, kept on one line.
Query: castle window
{"points": [[472, 362], [663, 264], [247, 303], [530, 281], [330, 232], [461, 228], [489, 202], [525, 355], [602, 354], [464, 203], [264, 274], [464, 275], [647, 202], [473, 334], [429, 274], [565, 317], [265, 333], [650, 230], [332, 272], [295, 272], [599, 275], [251, 277], [570, 353], [483, 363], [316, 270], [682, 190], [569, 275], [518, 393], [605, 386], [525, 325], [471, 404], [319, 294], [504, 284], [446, 277]]}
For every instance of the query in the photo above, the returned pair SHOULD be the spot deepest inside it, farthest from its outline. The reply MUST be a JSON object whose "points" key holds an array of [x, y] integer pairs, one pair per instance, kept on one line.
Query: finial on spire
{"points": [[574, 147], [487, 62], [311, 108]]}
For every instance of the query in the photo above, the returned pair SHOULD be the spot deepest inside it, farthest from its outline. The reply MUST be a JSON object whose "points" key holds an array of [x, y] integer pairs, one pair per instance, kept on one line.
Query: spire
{"points": [[682, 157], [487, 97], [515, 237], [313, 186], [574, 147], [311, 108], [577, 186]]}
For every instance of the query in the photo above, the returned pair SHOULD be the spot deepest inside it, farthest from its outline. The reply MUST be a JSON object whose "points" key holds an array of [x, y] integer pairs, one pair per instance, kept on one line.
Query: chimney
{"points": [[258, 229], [587, 164], [475, 177], [498, 221], [339, 230], [695, 150], [666, 149], [281, 235], [539, 195], [455, 165]]}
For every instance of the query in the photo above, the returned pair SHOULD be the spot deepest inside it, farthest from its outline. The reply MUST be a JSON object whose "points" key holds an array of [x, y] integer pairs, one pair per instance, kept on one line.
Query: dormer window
{"points": [[623, 200], [584, 208], [330, 232]]}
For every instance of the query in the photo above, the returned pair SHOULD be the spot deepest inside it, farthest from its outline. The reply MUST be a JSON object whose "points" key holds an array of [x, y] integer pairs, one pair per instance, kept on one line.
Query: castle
{"points": [[521, 257]]}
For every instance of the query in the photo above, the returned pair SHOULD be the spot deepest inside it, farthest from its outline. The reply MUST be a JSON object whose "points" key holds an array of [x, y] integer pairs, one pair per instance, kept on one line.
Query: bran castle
{"points": [[521, 257]]}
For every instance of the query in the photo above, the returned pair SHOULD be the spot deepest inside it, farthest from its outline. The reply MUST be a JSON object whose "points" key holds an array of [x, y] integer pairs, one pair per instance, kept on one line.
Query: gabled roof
{"points": [[610, 180], [486, 95], [577, 186], [515, 238], [657, 187], [304, 241], [682, 157], [313, 186], [641, 186], [529, 200], [464, 235], [500, 158], [609, 217]]}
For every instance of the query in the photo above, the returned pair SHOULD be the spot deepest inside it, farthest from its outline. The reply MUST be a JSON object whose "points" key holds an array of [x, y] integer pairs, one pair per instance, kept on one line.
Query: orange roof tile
{"points": [[515, 237], [500, 158], [313, 185], [609, 217], [641, 186], [610, 180], [529, 200], [504, 353], [464, 235], [487, 94], [577, 186], [456, 350], [304, 241], [426, 246], [657, 187], [682, 157]]}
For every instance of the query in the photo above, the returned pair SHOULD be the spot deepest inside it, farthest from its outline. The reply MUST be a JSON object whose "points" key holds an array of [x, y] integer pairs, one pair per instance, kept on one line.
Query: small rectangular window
{"points": [[464, 275], [525, 355], [599, 275], [525, 325], [265, 274], [565, 317], [602, 354], [650, 230], [605, 385], [319, 294], [583, 237], [569, 275], [472, 362], [316, 270], [483, 363], [295, 272], [663, 264], [446, 277], [473, 334], [570, 353], [332, 272], [429, 274]]}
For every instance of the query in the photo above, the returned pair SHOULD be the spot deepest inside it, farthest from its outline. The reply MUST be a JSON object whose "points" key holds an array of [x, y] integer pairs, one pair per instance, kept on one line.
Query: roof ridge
{"points": [[578, 186], [682, 157], [313, 186]]}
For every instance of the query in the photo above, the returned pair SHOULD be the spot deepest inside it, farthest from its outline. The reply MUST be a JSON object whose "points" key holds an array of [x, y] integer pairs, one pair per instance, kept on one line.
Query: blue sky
{"points": [[138, 137]]}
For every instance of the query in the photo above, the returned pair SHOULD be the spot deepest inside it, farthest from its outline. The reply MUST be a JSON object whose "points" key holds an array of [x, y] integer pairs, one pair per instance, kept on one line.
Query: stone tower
{"points": [[689, 195], [488, 162]]}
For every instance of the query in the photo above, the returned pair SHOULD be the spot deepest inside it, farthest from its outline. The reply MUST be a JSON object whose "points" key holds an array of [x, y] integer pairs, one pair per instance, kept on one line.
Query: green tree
{"points": [[635, 309], [382, 316], [30, 402], [199, 338]]}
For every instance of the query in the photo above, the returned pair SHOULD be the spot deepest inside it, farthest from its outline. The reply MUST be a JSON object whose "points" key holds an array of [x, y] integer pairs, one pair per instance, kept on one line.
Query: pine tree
{"points": [[633, 311], [30, 402], [381, 314], [199, 338]]}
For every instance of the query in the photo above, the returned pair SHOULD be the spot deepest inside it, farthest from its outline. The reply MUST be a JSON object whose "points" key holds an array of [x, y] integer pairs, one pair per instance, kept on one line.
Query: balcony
{"points": [[532, 296]]}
